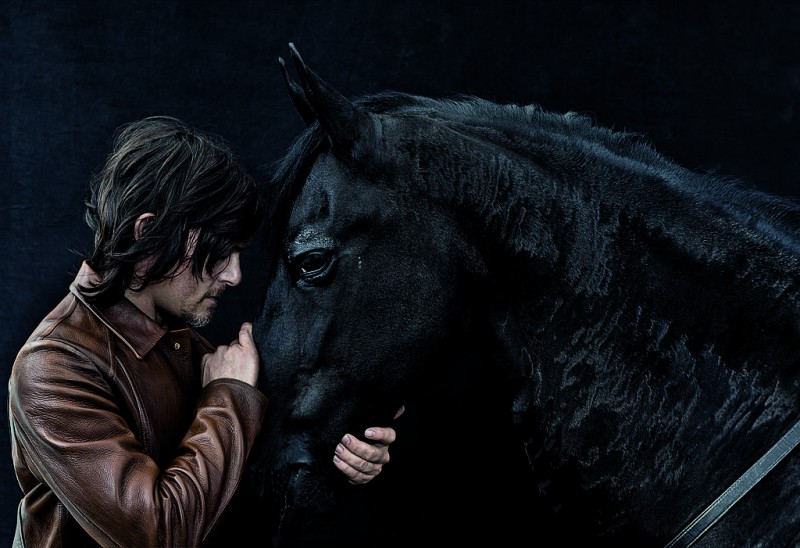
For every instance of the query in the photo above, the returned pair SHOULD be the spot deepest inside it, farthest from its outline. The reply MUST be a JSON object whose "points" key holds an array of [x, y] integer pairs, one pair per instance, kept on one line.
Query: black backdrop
{"points": [[714, 85]]}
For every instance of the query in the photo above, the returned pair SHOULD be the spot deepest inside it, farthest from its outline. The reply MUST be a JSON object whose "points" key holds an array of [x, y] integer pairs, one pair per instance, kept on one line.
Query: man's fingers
{"points": [[359, 461], [381, 436], [354, 476], [246, 335], [355, 451]]}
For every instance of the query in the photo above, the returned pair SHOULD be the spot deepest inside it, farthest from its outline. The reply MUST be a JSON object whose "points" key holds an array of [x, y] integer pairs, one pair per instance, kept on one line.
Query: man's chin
{"points": [[197, 322], [200, 320]]}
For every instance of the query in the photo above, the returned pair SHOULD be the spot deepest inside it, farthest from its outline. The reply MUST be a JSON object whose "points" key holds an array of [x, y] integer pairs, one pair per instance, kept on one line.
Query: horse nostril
{"points": [[295, 453], [304, 498], [295, 473]]}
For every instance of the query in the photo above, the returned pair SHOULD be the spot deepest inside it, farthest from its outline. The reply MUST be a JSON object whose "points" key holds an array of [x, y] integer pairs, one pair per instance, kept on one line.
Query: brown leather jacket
{"points": [[114, 441]]}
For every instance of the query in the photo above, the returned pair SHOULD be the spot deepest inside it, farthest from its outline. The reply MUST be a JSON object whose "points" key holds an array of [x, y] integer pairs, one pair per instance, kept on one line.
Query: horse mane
{"points": [[514, 127]]}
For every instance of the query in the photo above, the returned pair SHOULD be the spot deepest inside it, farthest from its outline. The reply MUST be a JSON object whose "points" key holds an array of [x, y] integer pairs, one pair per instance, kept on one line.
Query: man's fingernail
{"points": [[339, 448], [336, 459], [346, 440], [370, 433]]}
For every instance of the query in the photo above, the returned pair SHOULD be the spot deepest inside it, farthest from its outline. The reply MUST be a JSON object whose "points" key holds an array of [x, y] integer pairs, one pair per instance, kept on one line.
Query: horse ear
{"points": [[351, 130], [298, 97]]}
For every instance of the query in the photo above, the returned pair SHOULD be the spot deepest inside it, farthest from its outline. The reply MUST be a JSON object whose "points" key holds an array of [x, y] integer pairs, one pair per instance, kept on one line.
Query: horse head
{"points": [[364, 293]]}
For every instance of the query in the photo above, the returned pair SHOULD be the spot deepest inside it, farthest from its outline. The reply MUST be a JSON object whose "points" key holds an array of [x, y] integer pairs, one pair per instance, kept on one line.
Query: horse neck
{"points": [[580, 239], [621, 297], [580, 211]]}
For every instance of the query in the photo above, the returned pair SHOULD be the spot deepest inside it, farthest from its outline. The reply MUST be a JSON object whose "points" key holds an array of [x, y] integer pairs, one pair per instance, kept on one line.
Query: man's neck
{"points": [[144, 302]]}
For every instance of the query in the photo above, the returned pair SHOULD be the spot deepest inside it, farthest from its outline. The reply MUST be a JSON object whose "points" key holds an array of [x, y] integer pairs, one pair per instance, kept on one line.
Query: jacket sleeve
{"points": [[72, 438]]}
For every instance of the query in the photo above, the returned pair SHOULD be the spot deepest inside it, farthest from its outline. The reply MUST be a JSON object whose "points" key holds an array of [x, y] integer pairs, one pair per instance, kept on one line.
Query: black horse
{"points": [[643, 318]]}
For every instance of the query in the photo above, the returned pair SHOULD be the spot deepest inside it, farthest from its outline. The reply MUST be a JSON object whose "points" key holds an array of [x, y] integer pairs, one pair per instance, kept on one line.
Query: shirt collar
{"points": [[132, 326]]}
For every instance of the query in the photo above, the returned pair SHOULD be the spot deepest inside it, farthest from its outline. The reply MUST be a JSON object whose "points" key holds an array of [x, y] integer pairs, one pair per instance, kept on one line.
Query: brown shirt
{"points": [[114, 441]]}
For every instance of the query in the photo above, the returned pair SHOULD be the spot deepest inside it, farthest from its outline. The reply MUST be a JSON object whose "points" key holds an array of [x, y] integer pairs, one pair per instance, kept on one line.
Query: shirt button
{"points": [[177, 346]]}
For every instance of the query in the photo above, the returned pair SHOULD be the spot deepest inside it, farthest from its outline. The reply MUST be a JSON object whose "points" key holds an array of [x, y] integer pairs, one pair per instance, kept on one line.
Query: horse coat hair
{"points": [[643, 317]]}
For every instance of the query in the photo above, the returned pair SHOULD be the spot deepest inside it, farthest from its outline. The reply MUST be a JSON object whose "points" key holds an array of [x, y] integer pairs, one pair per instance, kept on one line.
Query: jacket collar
{"points": [[132, 326]]}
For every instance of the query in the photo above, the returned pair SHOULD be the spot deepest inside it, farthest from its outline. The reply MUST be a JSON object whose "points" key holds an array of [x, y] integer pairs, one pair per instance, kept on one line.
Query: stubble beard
{"points": [[200, 317], [199, 320]]}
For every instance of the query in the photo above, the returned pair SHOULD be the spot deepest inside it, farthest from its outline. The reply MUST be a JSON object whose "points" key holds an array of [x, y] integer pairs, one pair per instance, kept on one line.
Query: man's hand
{"points": [[361, 461], [239, 360]]}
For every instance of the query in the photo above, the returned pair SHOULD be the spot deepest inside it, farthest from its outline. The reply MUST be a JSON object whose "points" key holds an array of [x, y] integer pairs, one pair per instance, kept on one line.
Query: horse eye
{"points": [[310, 266]]}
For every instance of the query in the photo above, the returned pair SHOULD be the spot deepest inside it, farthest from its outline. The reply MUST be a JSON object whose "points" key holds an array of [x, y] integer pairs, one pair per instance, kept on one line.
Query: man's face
{"points": [[191, 298], [195, 299]]}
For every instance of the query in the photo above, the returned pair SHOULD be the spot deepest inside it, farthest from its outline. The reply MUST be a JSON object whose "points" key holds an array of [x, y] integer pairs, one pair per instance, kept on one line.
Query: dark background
{"points": [[714, 85]]}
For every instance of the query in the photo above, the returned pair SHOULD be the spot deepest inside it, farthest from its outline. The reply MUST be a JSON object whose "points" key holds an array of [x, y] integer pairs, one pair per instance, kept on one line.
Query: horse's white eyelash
{"points": [[309, 237]]}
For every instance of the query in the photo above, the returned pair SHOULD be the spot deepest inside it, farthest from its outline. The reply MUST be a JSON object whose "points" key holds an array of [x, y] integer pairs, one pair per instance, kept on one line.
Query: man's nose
{"points": [[231, 274]]}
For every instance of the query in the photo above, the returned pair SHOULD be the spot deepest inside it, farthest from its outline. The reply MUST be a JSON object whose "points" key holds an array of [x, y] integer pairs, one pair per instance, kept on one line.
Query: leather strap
{"points": [[735, 492]]}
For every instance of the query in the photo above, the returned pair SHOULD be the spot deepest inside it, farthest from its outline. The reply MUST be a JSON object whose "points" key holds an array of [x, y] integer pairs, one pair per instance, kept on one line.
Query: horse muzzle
{"points": [[303, 491]]}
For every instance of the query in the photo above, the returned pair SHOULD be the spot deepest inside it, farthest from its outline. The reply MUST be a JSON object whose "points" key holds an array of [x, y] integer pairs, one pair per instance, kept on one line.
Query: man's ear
{"points": [[141, 224]]}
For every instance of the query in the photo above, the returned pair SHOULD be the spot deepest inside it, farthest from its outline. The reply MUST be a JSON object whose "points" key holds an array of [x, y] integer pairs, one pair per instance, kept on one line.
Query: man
{"points": [[127, 427]]}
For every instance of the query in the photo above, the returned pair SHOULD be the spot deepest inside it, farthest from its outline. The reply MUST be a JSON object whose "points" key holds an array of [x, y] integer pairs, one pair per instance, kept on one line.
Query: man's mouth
{"points": [[215, 295]]}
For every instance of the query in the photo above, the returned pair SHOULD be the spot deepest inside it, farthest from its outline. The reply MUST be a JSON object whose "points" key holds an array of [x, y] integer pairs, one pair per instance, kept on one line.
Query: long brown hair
{"points": [[189, 180]]}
